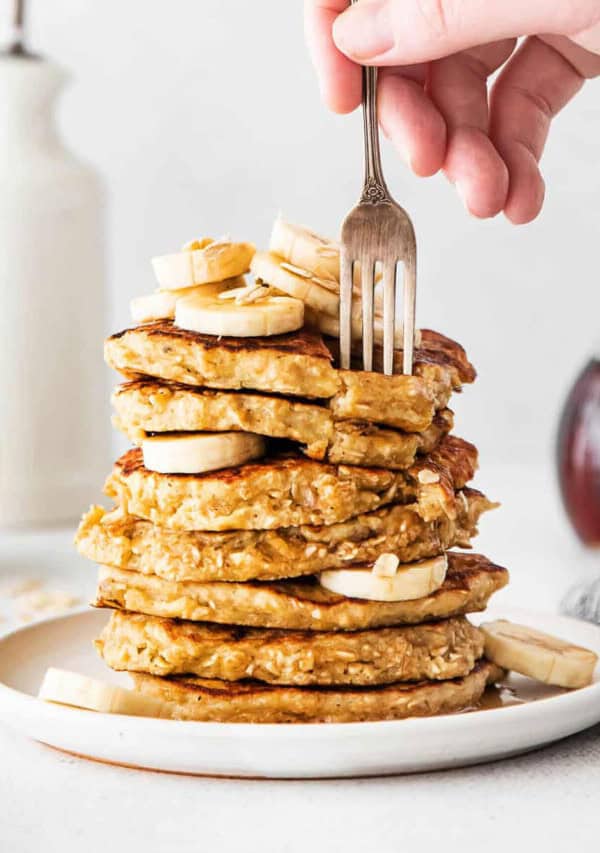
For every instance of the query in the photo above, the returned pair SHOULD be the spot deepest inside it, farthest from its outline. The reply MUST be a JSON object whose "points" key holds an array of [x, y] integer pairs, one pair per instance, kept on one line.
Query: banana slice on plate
{"points": [[304, 248], [160, 305], [538, 655], [202, 262], [196, 453], [408, 582], [248, 312], [319, 294], [70, 688]]}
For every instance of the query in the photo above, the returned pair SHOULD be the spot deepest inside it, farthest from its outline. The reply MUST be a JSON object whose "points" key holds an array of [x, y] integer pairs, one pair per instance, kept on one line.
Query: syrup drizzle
{"points": [[515, 690]]}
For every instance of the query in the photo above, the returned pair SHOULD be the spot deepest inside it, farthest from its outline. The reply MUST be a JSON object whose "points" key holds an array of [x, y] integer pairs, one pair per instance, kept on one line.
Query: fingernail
{"points": [[364, 31], [400, 145], [407, 155], [462, 194]]}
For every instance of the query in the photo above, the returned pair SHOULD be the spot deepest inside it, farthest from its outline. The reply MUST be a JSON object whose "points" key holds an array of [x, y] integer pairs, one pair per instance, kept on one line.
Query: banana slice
{"points": [[246, 316], [318, 256], [538, 655], [196, 453], [274, 270], [160, 305], [330, 326], [306, 249], [70, 688], [201, 262], [411, 581]]}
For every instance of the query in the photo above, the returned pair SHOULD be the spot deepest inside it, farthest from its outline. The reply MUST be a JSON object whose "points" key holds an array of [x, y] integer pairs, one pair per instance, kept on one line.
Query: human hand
{"points": [[434, 104]]}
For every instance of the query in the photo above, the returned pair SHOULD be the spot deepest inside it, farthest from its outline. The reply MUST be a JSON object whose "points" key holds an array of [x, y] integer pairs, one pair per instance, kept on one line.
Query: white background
{"points": [[204, 117]]}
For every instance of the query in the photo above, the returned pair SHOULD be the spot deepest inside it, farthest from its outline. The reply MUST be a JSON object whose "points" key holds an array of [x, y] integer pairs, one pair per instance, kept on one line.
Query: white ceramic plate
{"points": [[279, 751]]}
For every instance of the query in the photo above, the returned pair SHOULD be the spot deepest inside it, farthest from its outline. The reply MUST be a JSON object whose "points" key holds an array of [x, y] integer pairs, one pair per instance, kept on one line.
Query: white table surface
{"points": [[50, 801]]}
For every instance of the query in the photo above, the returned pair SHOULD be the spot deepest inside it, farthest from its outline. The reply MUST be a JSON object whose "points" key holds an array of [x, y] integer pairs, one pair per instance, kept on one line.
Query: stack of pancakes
{"points": [[213, 579]]}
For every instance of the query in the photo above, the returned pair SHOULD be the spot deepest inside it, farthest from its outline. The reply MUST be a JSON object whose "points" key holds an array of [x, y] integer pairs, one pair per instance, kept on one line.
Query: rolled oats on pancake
{"points": [[155, 406], [288, 490], [435, 650], [298, 364], [301, 603], [131, 543], [253, 702]]}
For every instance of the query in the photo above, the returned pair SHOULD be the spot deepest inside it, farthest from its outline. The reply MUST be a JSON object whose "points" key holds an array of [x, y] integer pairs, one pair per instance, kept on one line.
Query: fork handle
{"points": [[374, 187]]}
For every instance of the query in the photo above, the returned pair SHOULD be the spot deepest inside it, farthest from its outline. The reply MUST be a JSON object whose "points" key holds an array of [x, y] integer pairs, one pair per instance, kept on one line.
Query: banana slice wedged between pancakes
{"points": [[382, 583], [197, 453]]}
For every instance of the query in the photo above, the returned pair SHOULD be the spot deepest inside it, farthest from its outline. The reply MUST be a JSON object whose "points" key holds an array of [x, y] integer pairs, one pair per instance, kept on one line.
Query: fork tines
{"points": [[377, 237]]}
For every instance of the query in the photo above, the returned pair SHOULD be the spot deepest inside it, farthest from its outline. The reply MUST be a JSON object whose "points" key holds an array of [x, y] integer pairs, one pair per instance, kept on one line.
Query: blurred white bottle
{"points": [[54, 442]]}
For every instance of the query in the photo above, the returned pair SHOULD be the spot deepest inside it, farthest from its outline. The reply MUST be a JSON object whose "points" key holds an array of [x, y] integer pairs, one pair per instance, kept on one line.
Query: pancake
{"points": [[298, 604], [288, 490], [295, 363], [435, 650], [153, 406], [131, 543], [298, 364], [252, 702]]}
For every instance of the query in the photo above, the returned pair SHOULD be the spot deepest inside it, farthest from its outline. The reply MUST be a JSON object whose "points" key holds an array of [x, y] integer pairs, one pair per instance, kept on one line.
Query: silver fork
{"points": [[377, 230]]}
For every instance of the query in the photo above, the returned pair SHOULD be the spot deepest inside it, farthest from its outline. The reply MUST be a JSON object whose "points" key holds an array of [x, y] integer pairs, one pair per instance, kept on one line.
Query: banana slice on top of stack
{"points": [[319, 294], [160, 305], [304, 264], [306, 249], [204, 268], [202, 262], [240, 313]]}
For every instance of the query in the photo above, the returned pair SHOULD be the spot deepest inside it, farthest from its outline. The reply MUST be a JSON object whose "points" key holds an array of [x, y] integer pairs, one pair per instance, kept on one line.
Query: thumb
{"points": [[403, 32]]}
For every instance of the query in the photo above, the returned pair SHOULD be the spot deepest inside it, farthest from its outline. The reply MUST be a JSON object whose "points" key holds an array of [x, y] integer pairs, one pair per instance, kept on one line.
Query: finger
{"points": [[339, 78], [410, 119], [533, 87], [458, 86], [400, 32], [586, 63]]}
